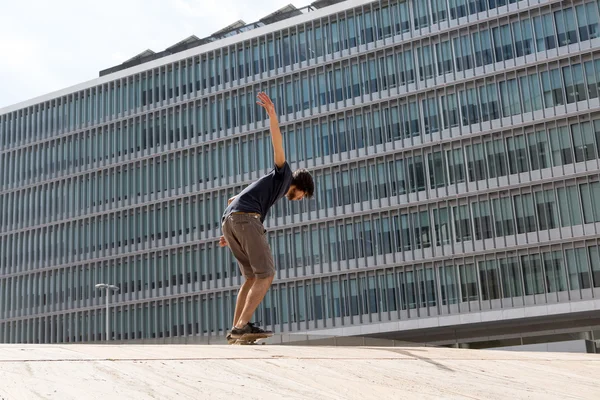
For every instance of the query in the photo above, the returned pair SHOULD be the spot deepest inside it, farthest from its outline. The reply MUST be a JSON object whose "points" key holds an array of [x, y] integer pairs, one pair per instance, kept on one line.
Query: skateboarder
{"points": [[243, 229]]}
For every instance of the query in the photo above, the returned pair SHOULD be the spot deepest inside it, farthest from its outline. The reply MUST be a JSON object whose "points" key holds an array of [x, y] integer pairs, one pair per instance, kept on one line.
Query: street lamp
{"points": [[107, 287]]}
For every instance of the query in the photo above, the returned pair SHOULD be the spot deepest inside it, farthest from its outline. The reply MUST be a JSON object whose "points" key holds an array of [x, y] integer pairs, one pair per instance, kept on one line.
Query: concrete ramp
{"points": [[290, 372]]}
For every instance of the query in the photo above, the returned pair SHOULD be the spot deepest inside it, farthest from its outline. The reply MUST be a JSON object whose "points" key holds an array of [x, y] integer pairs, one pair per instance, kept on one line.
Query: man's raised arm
{"points": [[278, 152]]}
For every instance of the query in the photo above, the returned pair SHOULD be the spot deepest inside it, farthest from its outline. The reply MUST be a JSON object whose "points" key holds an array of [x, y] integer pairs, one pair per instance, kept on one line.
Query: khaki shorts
{"points": [[247, 239]]}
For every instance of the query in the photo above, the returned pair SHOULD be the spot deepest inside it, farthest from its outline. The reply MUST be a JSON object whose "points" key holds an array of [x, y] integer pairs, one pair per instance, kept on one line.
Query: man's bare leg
{"points": [[256, 294], [241, 299]]}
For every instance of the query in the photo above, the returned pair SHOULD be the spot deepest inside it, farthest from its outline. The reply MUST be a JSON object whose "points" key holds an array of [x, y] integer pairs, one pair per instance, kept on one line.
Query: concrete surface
{"points": [[290, 372], [571, 346]]}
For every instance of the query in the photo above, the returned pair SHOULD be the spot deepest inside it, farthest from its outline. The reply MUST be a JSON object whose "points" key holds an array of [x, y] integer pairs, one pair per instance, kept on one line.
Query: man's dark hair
{"points": [[303, 181]]}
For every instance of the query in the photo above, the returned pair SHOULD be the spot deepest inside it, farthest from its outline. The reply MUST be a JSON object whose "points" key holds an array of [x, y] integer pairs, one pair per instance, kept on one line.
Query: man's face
{"points": [[294, 194]]}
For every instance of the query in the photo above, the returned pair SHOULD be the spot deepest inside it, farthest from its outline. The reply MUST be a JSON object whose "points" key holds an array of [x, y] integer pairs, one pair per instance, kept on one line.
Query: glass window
{"points": [[411, 121], [439, 10], [574, 85], [442, 226], [425, 62], [587, 21], [406, 66], [544, 30], [449, 285], [591, 78], [430, 115], [523, 35], [416, 174], [444, 57], [533, 277], [421, 13], [594, 253], [456, 165], [579, 83], [403, 233], [462, 223], [482, 220], [566, 26], [408, 289], [583, 142], [525, 213], [468, 282], [450, 111], [579, 269], [517, 154], [512, 285], [531, 93], [503, 43], [591, 206], [556, 87], [547, 214], [469, 107], [556, 277], [401, 17], [367, 32], [570, 206], [538, 150], [488, 97], [458, 9], [489, 276], [437, 169], [511, 102], [597, 136], [391, 71], [421, 230], [503, 216], [560, 144], [496, 153], [482, 43], [476, 162]]}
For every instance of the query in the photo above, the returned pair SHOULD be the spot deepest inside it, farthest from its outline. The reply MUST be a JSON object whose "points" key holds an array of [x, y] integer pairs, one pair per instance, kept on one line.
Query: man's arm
{"points": [[276, 138]]}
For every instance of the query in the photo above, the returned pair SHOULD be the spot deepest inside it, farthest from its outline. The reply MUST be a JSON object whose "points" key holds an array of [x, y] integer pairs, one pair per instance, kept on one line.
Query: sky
{"points": [[50, 45]]}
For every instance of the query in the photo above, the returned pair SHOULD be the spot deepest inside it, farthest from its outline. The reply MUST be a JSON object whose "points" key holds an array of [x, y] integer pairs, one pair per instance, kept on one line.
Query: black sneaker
{"points": [[248, 328], [230, 340]]}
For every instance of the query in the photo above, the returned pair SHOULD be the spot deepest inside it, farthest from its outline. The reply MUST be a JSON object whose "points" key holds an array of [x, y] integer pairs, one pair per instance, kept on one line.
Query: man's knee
{"points": [[266, 278]]}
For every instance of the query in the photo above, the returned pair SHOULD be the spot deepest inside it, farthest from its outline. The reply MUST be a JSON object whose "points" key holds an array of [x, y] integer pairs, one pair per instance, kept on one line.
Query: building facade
{"points": [[455, 147]]}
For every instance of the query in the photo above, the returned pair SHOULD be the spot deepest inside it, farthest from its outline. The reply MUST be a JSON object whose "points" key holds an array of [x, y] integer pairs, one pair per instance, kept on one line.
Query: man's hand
{"points": [[265, 102], [222, 242], [230, 200]]}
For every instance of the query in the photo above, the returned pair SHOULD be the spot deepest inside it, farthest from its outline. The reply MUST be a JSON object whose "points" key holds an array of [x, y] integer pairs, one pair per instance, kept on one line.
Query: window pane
{"points": [[591, 206], [512, 285], [578, 267], [556, 275], [533, 278], [525, 213], [442, 227], [583, 142], [462, 223], [595, 262], [503, 216], [449, 285], [490, 280], [570, 206], [547, 215], [468, 282]]}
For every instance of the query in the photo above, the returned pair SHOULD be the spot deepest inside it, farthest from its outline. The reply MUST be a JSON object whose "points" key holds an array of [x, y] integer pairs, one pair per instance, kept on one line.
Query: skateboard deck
{"points": [[249, 338]]}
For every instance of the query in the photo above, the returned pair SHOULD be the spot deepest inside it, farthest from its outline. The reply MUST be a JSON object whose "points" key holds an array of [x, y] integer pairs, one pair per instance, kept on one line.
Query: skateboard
{"points": [[249, 338]]}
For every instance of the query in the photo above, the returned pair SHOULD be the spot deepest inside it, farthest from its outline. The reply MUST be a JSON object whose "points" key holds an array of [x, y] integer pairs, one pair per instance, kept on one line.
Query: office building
{"points": [[455, 147]]}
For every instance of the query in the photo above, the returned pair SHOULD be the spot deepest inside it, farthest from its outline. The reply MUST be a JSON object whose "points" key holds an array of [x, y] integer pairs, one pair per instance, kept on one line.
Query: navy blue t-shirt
{"points": [[260, 196]]}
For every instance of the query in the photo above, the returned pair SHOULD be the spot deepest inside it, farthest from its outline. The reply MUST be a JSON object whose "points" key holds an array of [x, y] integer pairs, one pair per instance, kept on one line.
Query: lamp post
{"points": [[107, 287]]}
